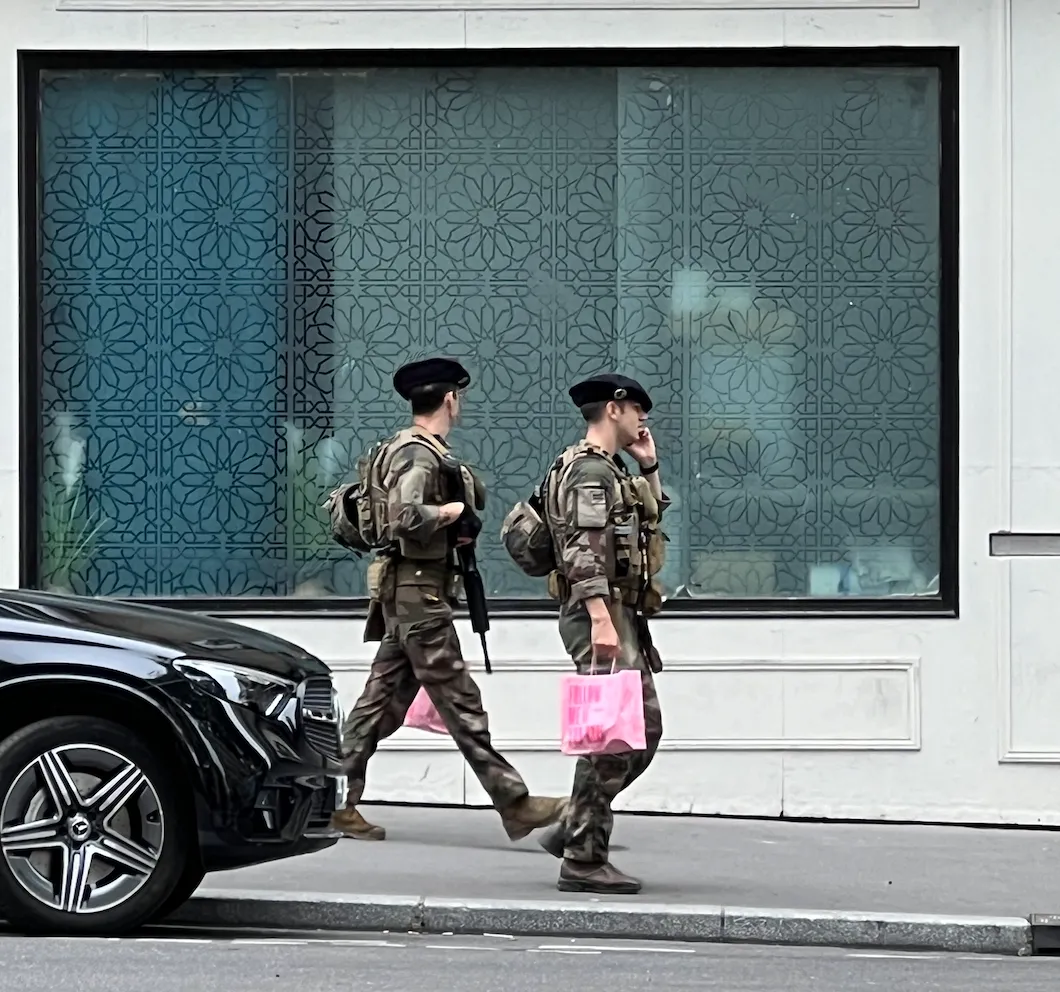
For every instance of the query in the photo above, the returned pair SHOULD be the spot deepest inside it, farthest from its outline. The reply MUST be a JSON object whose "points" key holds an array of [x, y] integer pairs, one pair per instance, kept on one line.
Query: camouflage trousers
{"points": [[598, 779], [421, 647]]}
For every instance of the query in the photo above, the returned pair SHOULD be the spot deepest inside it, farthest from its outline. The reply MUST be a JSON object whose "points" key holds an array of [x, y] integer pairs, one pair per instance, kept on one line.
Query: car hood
{"points": [[166, 631]]}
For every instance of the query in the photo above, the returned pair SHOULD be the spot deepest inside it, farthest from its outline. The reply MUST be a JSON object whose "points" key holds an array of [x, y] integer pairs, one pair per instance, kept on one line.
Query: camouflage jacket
{"points": [[600, 525], [415, 494]]}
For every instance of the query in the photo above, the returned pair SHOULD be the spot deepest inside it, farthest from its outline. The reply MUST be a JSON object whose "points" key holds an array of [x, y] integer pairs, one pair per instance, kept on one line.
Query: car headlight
{"points": [[266, 694]]}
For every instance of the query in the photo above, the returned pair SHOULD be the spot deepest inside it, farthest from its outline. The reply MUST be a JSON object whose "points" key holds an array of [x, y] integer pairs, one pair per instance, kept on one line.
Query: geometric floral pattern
{"points": [[232, 265]]}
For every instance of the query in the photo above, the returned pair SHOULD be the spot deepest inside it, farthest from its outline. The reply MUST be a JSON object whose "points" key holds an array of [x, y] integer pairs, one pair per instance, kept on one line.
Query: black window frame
{"points": [[33, 63]]}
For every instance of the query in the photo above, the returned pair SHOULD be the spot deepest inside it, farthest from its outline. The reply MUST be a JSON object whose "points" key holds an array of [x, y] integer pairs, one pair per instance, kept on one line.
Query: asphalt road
{"points": [[174, 961]]}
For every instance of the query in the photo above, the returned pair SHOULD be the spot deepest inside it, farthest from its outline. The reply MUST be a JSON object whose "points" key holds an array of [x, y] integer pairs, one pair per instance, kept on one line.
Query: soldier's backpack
{"points": [[527, 538], [525, 533], [358, 510]]}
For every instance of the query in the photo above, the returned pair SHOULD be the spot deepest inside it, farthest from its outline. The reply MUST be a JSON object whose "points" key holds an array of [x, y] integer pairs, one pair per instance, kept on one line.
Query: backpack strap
{"points": [[405, 437], [558, 471], [417, 435]]}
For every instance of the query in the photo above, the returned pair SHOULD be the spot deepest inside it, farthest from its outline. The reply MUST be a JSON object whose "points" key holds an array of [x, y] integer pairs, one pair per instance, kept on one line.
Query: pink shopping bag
{"points": [[423, 715], [602, 714]]}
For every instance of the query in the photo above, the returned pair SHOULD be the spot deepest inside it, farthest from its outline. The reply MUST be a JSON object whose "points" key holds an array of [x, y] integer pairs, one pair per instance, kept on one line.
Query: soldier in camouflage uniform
{"points": [[604, 531], [412, 586]]}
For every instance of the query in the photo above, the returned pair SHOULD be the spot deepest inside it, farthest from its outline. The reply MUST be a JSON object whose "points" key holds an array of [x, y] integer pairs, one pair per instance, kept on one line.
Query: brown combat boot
{"points": [[531, 812], [554, 840], [355, 826], [580, 876]]}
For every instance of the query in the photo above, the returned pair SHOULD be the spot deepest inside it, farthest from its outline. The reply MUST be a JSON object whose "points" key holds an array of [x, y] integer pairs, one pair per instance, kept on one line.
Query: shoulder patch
{"points": [[590, 507]]}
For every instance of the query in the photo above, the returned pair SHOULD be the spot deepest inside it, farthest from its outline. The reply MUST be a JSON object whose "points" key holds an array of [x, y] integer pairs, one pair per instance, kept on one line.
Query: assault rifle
{"points": [[468, 527]]}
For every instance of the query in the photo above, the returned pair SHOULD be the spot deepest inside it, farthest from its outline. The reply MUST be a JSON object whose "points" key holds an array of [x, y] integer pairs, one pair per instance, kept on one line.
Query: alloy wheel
{"points": [[82, 828]]}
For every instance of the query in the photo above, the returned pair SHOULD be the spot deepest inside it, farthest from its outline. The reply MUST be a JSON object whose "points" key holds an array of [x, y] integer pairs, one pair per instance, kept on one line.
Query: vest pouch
{"points": [[381, 579], [470, 497], [625, 540], [645, 500], [374, 508], [656, 552], [436, 550], [648, 511], [558, 586], [367, 519]]}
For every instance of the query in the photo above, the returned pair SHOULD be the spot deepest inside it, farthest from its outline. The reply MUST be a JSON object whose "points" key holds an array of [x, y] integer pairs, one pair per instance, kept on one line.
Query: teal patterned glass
{"points": [[233, 264]]}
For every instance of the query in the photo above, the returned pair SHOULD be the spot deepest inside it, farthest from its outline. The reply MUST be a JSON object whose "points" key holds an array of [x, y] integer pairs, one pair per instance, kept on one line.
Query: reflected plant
{"points": [[68, 529], [309, 470]]}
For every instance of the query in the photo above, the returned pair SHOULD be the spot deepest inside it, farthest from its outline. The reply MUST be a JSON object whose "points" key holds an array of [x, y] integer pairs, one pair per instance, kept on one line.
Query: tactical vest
{"points": [[359, 511], [639, 543]]}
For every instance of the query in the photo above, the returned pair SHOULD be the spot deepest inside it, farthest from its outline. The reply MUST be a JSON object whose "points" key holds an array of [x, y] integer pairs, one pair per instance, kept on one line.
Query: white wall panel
{"points": [[897, 718]]}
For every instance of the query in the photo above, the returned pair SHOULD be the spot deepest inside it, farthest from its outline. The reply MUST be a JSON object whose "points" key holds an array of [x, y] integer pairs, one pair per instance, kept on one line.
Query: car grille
{"points": [[320, 717], [319, 811]]}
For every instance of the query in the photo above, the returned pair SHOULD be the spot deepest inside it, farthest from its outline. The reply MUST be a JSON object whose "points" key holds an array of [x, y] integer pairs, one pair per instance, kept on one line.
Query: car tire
{"points": [[184, 890], [94, 836]]}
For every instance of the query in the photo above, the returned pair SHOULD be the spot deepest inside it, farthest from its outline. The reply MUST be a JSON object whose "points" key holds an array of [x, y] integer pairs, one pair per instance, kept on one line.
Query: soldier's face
{"points": [[630, 420], [453, 401]]}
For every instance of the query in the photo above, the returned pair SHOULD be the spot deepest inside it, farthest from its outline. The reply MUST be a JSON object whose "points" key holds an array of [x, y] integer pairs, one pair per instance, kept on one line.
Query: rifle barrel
{"points": [[475, 595]]}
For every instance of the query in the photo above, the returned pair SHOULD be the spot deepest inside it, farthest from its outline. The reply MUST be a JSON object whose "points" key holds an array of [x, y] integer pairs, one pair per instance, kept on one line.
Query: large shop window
{"points": [[229, 265]]}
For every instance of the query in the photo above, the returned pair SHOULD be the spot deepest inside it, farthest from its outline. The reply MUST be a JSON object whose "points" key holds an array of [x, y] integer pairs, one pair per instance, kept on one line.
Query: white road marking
{"points": [[896, 955], [936, 956], [109, 940], [555, 950], [573, 947], [460, 947], [373, 943], [173, 940], [270, 941], [619, 950], [355, 942]]}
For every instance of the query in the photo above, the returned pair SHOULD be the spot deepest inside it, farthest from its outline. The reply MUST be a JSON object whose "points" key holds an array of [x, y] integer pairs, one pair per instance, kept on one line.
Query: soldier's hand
{"points": [[449, 513], [604, 639], [643, 449]]}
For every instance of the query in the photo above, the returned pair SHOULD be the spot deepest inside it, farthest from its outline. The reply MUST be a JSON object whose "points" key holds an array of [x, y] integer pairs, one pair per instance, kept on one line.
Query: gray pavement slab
{"points": [[463, 854], [176, 963]]}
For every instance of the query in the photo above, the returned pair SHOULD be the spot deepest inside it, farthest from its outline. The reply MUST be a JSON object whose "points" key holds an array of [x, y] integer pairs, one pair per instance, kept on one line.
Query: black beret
{"points": [[600, 388], [430, 372]]}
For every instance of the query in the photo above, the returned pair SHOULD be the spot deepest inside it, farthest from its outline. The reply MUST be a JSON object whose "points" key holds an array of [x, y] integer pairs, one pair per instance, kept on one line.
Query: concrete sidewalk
{"points": [[688, 860], [439, 870]]}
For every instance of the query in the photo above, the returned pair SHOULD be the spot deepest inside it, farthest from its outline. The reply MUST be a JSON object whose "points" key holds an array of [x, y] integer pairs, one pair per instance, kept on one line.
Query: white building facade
{"points": [[821, 233]]}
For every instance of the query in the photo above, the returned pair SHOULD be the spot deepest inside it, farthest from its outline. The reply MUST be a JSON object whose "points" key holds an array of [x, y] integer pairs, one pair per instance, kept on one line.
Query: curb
{"points": [[263, 910]]}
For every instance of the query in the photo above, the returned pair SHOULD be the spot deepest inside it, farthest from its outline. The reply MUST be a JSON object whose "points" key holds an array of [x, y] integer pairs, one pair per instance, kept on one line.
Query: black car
{"points": [[141, 748]]}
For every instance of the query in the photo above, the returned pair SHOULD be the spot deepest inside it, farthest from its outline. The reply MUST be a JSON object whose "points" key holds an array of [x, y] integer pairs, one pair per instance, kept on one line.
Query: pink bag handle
{"points": [[592, 665]]}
